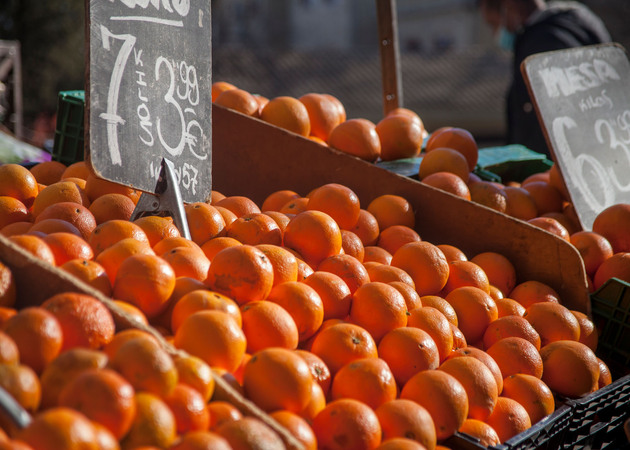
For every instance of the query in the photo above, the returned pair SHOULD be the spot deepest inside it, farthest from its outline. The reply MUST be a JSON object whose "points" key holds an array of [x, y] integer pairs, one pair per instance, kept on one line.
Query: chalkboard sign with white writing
{"points": [[582, 97], [148, 92]]}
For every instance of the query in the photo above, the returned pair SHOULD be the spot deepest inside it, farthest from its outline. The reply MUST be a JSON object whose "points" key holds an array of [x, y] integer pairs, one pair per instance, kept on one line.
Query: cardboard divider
{"points": [[37, 280], [253, 158]]}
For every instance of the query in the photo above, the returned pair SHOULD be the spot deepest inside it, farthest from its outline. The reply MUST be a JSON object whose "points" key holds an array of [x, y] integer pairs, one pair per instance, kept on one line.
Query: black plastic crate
{"points": [[68, 146], [547, 434]]}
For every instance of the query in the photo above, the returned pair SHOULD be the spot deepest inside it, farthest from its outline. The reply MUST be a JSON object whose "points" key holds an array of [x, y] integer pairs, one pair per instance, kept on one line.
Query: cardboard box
{"points": [[253, 158]]}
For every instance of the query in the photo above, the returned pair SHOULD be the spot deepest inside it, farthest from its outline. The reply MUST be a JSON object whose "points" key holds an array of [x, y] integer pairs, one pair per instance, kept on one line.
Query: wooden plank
{"points": [[390, 55]]}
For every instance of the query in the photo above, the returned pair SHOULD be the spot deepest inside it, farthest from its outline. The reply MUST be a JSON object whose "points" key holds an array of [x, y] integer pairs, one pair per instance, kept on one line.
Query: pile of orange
{"points": [[332, 315]]}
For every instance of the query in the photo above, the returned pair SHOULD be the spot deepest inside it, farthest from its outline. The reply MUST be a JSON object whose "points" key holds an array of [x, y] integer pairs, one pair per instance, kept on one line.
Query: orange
{"points": [[188, 262], [400, 443], [38, 336], [368, 380], [324, 114], [485, 358], [58, 428], [366, 228], [243, 273], [15, 228], [204, 221], [532, 393], [333, 292], [304, 305], [452, 253], [308, 344], [508, 418], [319, 369], [200, 440], [194, 372], [7, 286], [520, 203], [157, 228], [74, 213], [9, 353], [376, 254], [85, 321], [247, 433], [112, 206], [18, 182], [546, 197], [108, 233], [104, 396], [169, 243], [267, 324], [48, 172], [341, 343], [202, 300], [352, 245], [238, 100], [282, 220], [338, 201], [79, 169], [239, 205], [277, 199], [400, 135], [284, 263], [495, 293], [395, 236], [189, 409], [478, 382], [409, 113], [254, 229], [213, 246], [449, 182], [499, 270], [314, 235], [35, 246], [532, 291], [571, 225], [475, 310], [570, 368], [304, 270], [551, 225], [402, 418], [220, 86], [48, 226], [509, 326], [408, 351], [67, 246], [509, 307], [316, 403], [378, 308], [443, 160], [228, 216], [288, 113], [221, 329], [391, 210], [297, 426], [441, 305], [465, 273], [340, 108], [516, 355], [348, 268], [617, 266], [540, 176], [146, 281], [96, 187], [20, 382], [553, 322], [613, 223], [347, 424], [556, 180], [222, 412], [411, 297], [146, 365], [457, 139], [153, 425], [436, 325], [12, 211], [487, 194], [594, 249], [425, 263], [356, 137], [295, 206], [443, 396], [480, 430], [112, 257], [123, 336], [605, 377], [132, 315], [588, 332], [278, 378]]}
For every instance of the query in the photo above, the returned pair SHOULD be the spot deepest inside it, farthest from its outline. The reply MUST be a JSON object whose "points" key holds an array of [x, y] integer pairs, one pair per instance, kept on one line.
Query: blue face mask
{"points": [[505, 39]]}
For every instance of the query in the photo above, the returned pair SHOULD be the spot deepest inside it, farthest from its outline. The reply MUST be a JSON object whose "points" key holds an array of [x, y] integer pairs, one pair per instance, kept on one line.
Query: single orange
{"points": [[509, 418], [570, 368], [487, 194], [378, 308], [400, 135], [553, 322], [613, 223], [532, 291], [220, 86], [443, 159], [480, 430], [348, 268], [368, 380], [319, 369], [433, 322], [333, 292], [267, 324], [441, 305], [338, 201], [347, 423], [323, 113], [352, 245], [532, 393], [617, 266], [108, 233], [58, 428], [402, 418], [189, 408], [112, 257], [375, 254], [425, 263], [48, 172], [449, 182], [254, 229], [516, 355], [222, 412], [96, 187], [366, 228], [341, 343], [551, 225], [546, 197], [509, 326], [297, 426], [249, 432], [395, 236], [475, 310], [12, 210], [277, 199], [391, 210], [18, 182], [213, 246], [499, 270], [21, 383], [594, 249], [112, 206], [239, 205], [509, 307], [356, 137], [411, 297], [204, 222], [485, 358], [520, 203], [588, 332], [288, 113], [238, 100], [153, 425], [304, 305]]}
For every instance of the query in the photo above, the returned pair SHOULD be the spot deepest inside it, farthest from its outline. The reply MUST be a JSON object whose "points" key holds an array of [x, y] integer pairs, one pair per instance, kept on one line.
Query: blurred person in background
{"points": [[526, 27]]}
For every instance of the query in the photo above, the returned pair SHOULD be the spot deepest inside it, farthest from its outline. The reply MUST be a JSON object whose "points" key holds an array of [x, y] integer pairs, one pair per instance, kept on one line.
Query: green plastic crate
{"points": [[68, 146], [512, 162]]}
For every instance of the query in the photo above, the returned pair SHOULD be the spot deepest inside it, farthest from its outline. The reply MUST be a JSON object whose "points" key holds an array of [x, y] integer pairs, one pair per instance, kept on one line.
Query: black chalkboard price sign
{"points": [[149, 92], [582, 98]]}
